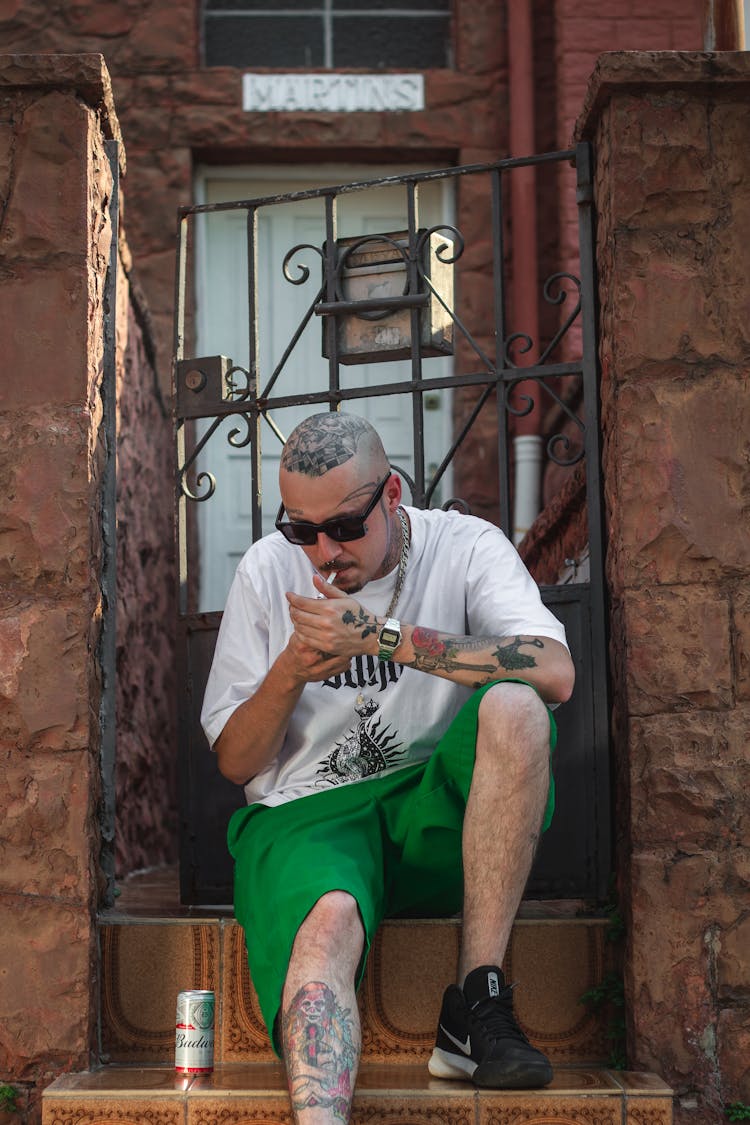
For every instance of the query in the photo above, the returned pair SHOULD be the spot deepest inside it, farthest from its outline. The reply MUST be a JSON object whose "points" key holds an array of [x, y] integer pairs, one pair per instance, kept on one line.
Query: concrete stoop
{"points": [[147, 960]]}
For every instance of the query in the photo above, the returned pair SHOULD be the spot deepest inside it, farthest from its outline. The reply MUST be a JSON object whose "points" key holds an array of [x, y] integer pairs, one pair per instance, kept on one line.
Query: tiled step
{"points": [[145, 962], [255, 1093]]}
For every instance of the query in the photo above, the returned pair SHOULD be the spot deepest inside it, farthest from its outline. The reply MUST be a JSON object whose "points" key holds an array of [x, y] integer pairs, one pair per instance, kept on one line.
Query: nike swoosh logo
{"points": [[465, 1047]]}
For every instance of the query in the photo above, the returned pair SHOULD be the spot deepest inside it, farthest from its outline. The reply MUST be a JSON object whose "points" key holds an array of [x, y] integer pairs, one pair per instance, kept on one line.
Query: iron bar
{"points": [[383, 181], [599, 639], [331, 324], [413, 301], [417, 414], [108, 633]]}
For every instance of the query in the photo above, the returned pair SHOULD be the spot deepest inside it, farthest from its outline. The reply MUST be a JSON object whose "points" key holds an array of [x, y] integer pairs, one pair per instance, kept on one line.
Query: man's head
{"points": [[331, 467]]}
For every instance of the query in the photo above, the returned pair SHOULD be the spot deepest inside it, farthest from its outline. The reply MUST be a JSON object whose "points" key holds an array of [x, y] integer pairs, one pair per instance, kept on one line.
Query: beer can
{"points": [[194, 1032]]}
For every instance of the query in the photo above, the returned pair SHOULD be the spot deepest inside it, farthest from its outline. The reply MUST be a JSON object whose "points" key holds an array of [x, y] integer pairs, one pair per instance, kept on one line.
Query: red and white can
{"points": [[194, 1032]]}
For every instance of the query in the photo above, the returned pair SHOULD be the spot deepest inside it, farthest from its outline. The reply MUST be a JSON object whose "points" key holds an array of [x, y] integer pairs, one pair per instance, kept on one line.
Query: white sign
{"points": [[332, 93]]}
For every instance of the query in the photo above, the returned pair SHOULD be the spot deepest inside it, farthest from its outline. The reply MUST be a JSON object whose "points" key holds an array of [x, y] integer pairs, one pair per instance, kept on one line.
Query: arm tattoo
{"points": [[363, 622], [435, 652], [511, 659], [319, 1051], [323, 442]]}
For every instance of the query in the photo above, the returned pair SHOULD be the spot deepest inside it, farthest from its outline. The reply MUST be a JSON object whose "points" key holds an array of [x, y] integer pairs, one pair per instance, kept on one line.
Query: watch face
{"points": [[389, 637]]}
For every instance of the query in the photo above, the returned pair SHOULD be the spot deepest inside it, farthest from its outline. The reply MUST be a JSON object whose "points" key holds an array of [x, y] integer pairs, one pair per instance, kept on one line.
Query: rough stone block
{"points": [[669, 300], [681, 454], [46, 951], [733, 1035], [668, 971], [734, 961], [47, 829], [659, 126], [678, 645], [690, 780], [46, 213], [45, 314], [741, 639], [156, 187], [48, 685], [45, 520]]}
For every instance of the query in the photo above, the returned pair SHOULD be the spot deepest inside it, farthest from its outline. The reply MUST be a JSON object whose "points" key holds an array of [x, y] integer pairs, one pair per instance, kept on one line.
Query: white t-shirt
{"points": [[463, 576]]}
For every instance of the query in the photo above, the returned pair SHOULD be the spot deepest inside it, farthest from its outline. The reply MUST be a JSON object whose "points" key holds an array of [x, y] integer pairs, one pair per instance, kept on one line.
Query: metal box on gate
{"points": [[375, 266]]}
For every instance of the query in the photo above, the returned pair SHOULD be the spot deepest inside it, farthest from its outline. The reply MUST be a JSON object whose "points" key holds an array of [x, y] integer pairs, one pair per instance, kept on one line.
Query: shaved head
{"points": [[325, 441]]}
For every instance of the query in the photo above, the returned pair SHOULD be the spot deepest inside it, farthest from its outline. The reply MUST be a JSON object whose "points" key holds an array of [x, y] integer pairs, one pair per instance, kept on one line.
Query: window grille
{"points": [[327, 34]]}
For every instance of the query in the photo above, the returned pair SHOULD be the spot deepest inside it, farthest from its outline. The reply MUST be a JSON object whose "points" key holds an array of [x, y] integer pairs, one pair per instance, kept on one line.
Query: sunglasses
{"points": [[341, 530]]}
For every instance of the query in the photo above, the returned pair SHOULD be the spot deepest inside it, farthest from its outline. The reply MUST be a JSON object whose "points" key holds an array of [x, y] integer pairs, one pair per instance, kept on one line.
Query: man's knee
{"points": [[334, 920], [513, 715]]}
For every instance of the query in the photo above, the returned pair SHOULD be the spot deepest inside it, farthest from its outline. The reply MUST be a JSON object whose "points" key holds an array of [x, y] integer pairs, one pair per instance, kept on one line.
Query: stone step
{"points": [[146, 961], [388, 1094]]}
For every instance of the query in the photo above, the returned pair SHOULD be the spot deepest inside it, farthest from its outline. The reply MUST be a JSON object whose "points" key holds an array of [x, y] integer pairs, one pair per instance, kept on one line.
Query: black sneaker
{"points": [[478, 1037]]}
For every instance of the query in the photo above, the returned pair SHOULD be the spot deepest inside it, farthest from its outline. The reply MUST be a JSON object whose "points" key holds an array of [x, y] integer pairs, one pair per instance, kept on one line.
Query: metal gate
{"points": [[408, 291]]}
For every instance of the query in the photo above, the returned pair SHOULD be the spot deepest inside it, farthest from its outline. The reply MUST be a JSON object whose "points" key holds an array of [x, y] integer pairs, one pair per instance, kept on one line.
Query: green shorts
{"points": [[393, 842]]}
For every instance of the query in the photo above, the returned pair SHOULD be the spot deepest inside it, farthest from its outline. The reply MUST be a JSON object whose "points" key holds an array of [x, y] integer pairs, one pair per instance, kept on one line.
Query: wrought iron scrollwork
{"points": [[558, 299], [238, 394], [303, 269], [199, 480], [563, 440], [205, 478], [457, 242]]}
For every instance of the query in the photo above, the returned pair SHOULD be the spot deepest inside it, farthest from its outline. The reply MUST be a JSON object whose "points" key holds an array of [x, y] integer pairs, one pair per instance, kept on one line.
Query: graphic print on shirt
{"points": [[366, 749]]}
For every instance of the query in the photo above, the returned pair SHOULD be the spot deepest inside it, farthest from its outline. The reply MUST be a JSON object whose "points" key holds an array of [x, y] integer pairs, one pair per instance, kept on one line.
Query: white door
{"points": [[222, 306]]}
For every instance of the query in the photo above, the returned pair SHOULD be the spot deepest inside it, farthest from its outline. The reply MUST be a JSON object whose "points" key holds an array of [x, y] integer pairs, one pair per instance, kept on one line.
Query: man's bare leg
{"points": [[320, 1021], [503, 818]]}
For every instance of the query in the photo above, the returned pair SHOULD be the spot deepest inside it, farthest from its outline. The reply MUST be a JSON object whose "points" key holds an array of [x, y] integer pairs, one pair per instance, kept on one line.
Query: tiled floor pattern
{"points": [[147, 961], [254, 1094]]}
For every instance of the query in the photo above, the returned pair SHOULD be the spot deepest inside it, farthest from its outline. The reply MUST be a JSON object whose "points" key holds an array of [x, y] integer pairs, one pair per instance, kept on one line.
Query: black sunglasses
{"points": [[342, 530]]}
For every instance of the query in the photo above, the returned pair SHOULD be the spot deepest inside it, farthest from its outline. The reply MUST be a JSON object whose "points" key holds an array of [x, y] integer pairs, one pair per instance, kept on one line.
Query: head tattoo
{"points": [[325, 441]]}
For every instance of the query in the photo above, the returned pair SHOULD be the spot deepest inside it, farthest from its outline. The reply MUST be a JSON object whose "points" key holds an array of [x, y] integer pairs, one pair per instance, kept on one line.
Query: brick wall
{"points": [[673, 196]]}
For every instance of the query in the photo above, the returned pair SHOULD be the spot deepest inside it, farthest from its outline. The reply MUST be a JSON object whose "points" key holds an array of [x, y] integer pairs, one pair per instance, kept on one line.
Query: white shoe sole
{"points": [[443, 1064]]}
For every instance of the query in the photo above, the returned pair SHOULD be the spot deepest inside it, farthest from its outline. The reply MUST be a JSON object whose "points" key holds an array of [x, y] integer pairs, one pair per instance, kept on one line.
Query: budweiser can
{"points": [[194, 1032]]}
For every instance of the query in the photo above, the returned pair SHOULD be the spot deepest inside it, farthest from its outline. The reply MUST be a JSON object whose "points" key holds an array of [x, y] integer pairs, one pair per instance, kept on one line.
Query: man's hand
{"points": [[329, 631], [309, 665]]}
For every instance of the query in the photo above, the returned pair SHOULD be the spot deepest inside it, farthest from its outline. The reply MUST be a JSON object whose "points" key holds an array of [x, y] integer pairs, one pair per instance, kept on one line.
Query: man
{"points": [[394, 749]]}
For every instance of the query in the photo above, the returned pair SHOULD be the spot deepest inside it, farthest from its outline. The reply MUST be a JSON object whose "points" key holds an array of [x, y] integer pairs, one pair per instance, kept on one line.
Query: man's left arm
{"points": [[340, 624], [474, 661]]}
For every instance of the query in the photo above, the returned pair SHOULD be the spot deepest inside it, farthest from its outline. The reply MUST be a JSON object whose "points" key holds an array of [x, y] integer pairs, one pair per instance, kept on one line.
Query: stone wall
{"points": [[146, 742], [55, 238], [55, 184], [673, 195]]}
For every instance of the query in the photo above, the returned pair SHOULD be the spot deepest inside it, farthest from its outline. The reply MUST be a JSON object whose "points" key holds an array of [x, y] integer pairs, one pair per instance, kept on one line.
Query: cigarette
{"points": [[329, 580]]}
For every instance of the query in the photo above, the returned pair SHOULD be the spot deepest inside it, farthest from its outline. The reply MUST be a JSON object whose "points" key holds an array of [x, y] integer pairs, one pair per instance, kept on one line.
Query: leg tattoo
{"points": [[319, 1051]]}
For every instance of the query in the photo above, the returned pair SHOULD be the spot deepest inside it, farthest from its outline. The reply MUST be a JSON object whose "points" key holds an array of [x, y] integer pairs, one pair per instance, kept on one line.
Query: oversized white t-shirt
{"points": [[463, 576]]}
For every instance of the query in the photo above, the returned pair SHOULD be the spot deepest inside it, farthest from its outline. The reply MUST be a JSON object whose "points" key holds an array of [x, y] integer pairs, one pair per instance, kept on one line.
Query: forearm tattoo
{"points": [[434, 652], [362, 622], [323, 442], [319, 1051]]}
